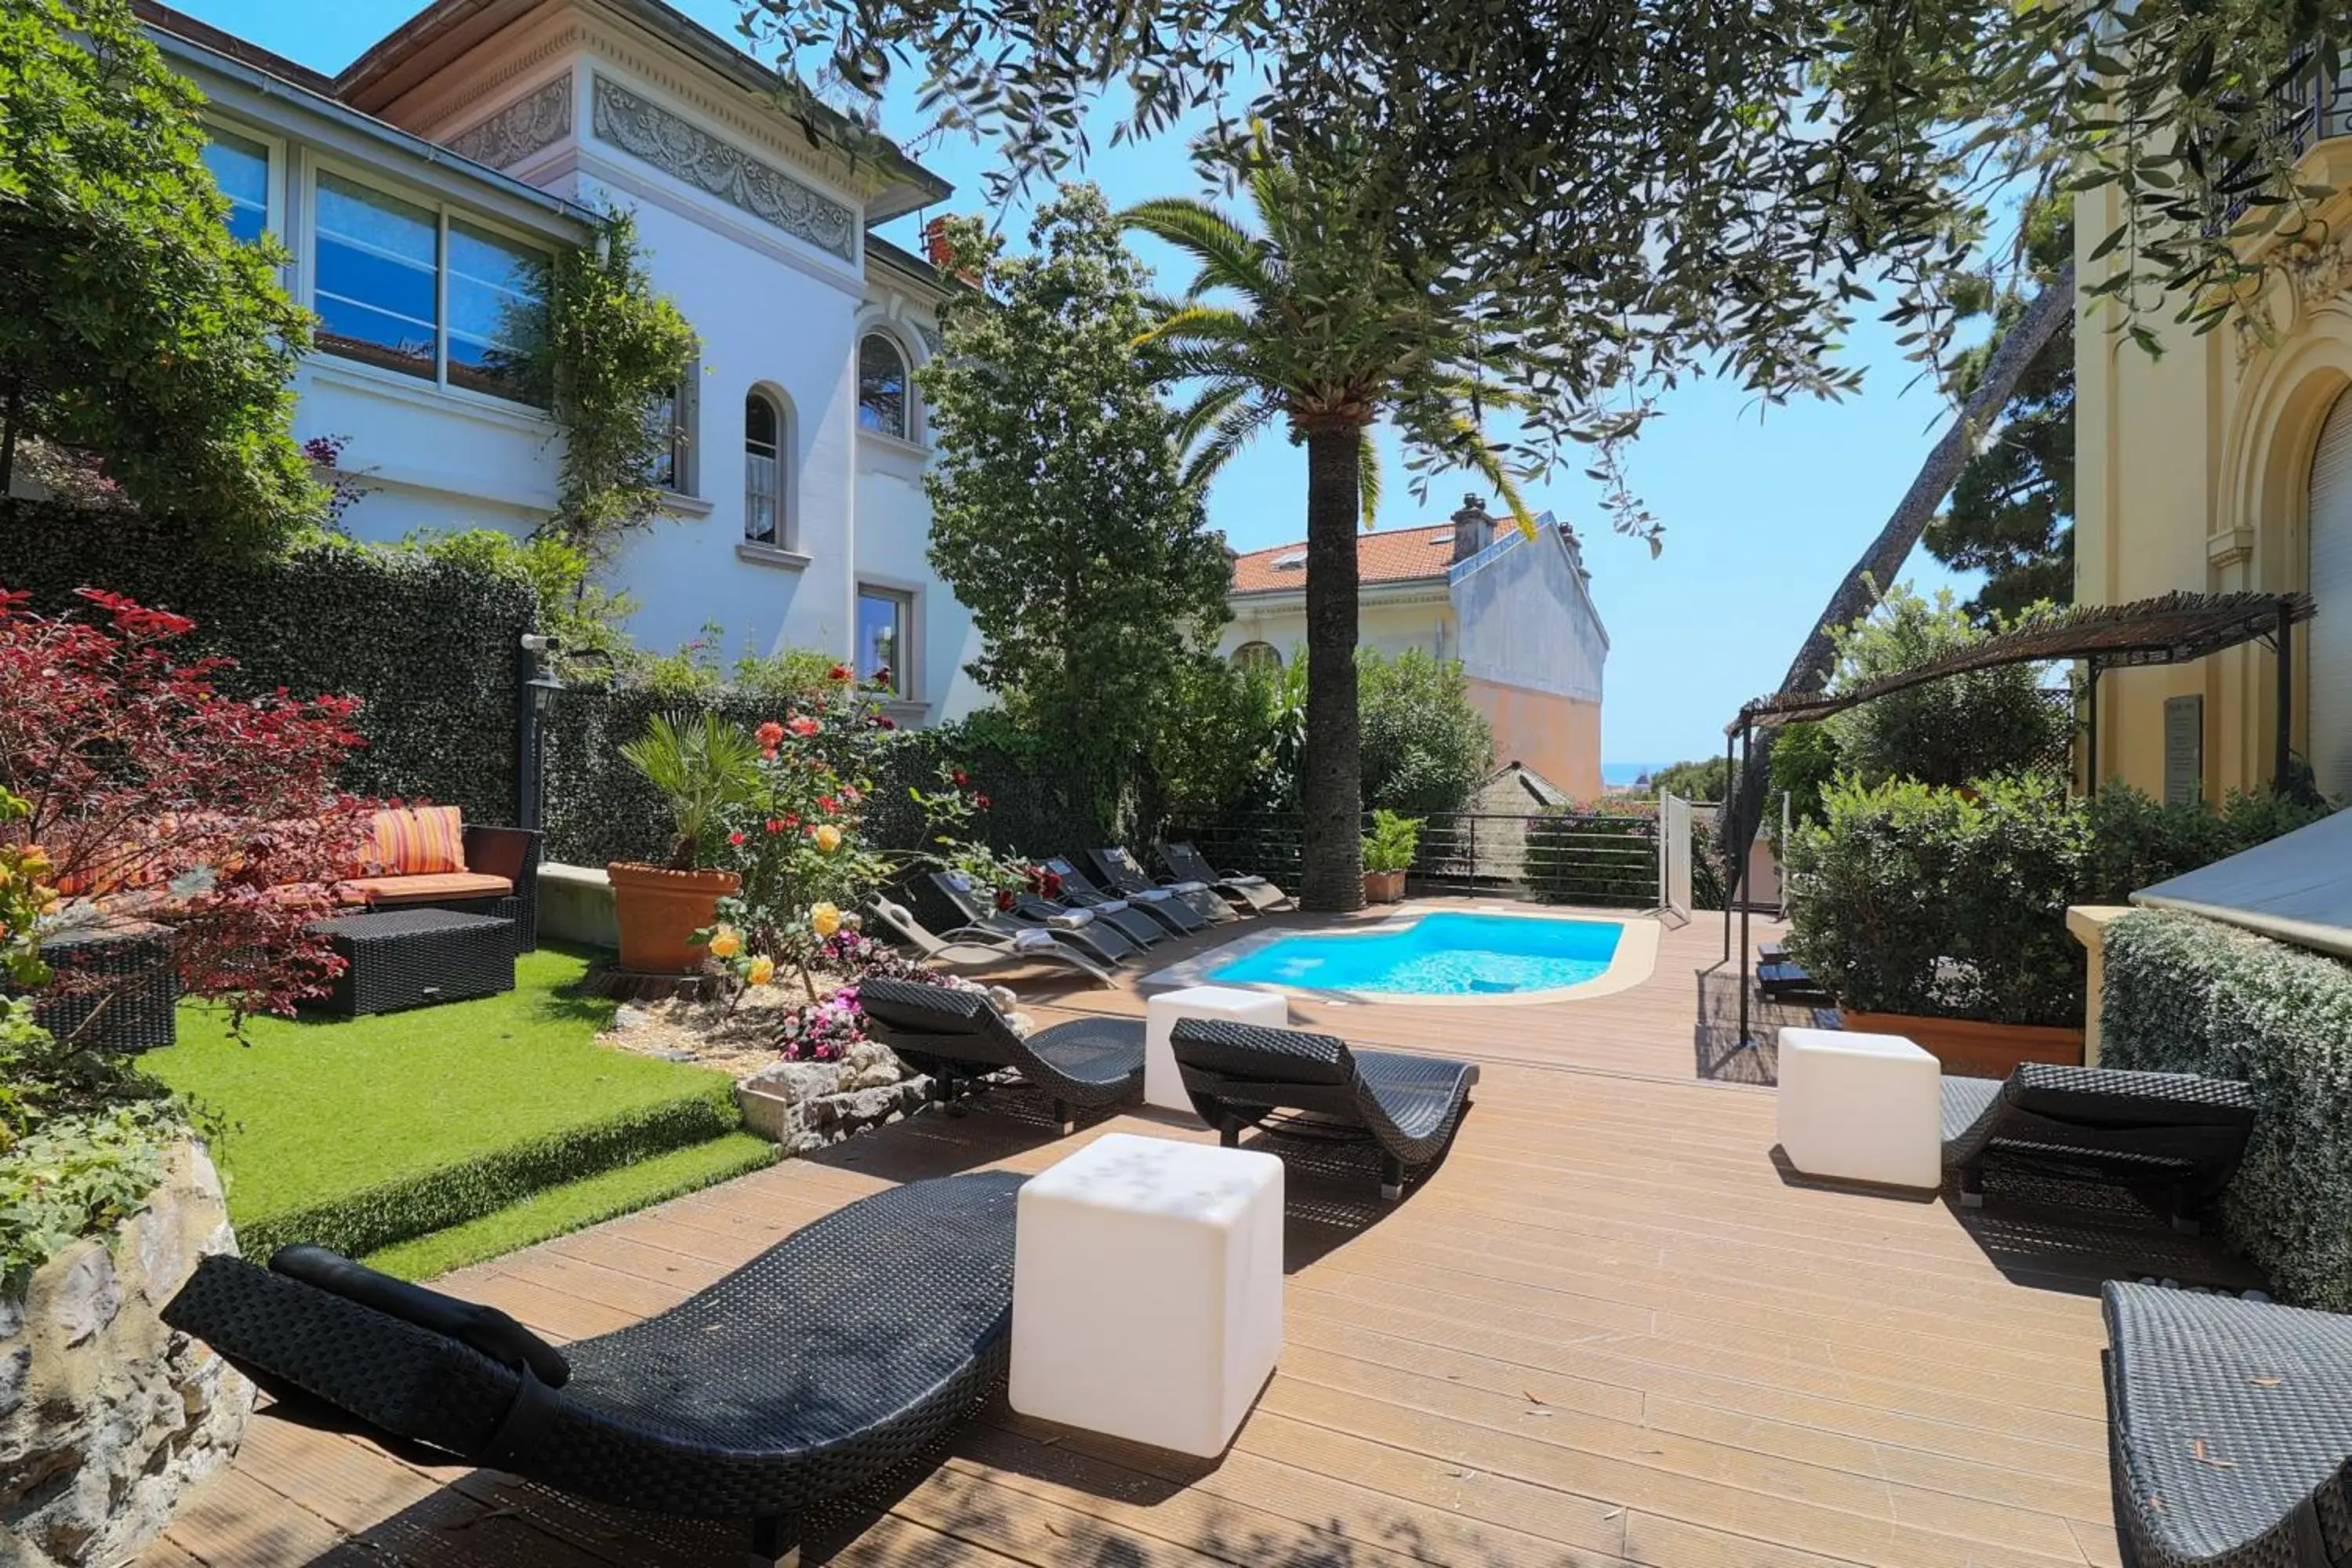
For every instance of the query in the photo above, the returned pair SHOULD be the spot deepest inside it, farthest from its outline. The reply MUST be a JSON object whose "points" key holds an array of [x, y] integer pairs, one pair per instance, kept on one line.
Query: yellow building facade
{"points": [[2224, 465]]}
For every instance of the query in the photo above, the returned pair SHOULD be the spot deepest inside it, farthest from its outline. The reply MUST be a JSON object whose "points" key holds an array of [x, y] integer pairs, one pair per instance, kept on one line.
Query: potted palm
{"points": [[702, 766], [1387, 852]]}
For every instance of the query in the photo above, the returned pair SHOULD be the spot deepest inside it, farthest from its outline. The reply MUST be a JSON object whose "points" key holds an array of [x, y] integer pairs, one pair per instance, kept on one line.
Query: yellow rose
{"points": [[828, 837], [824, 918], [763, 970], [725, 942]]}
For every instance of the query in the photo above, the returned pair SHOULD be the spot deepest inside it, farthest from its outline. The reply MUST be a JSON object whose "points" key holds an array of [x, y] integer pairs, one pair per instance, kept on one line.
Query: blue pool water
{"points": [[1437, 955]]}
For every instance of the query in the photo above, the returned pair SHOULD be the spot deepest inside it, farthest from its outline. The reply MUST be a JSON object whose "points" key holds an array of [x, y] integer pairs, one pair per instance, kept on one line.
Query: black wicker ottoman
{"points": [[413, 958], [122, 971]]}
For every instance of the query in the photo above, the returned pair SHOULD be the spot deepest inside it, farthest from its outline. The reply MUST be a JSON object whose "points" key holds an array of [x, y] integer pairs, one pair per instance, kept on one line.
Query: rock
{"points": [[627, 1017], [1001, 998], [2169, 1284], [84, 1298], [869, 1064], [106, 1414], [676, 1054]]}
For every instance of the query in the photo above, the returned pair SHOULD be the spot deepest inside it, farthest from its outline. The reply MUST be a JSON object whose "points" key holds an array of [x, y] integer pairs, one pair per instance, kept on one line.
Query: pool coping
{"points": [[1635, 959]]}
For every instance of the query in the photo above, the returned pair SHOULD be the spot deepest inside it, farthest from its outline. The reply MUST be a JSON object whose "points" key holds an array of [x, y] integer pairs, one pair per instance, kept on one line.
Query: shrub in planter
{"points": [[1388, 851], [702, 765], [2185, 995]]}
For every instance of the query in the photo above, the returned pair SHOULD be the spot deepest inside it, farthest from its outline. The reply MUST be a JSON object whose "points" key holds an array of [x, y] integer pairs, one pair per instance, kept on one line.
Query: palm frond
{"points": [[1229, 255], [1367, 477], [1238, 428], [1204, 412]]}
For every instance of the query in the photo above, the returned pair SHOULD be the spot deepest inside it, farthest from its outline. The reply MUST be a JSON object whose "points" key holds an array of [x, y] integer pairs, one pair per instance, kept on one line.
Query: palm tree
{"points": [[1312, 319]]}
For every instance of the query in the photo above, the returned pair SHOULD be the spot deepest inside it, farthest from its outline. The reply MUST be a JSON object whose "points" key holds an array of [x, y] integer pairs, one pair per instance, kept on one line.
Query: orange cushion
{"points": [[417, 841], [423, 889]]}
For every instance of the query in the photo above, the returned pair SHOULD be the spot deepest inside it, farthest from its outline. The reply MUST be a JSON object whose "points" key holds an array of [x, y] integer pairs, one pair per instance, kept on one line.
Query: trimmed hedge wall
{"points": [[2186, 994], [599, 809], [434, 1200], [427, 647]]}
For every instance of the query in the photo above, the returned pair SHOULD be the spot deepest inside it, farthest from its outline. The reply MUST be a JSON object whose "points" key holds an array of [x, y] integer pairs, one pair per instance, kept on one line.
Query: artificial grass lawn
{"points": [[404, 1111], [575, 1205]]}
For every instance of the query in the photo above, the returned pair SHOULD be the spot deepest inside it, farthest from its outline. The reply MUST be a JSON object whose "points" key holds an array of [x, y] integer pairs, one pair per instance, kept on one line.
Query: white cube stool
{"points": [[1163, 1085], [1147, 1290], [1862, 1107]]}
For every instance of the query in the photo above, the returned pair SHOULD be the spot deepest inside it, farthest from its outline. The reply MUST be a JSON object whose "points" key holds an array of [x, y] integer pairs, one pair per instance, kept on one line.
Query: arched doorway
{"points": [[2330, 680]]}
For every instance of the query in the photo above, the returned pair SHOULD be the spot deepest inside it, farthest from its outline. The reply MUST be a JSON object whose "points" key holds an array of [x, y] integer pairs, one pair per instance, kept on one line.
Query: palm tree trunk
{"points": [[1867, 580], [1331, 774]]}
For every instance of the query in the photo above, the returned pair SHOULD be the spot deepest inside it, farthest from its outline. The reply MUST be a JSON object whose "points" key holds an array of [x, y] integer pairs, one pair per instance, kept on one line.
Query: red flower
{"points": [[827, 804], [769, 735], [1005, 898], [962, 778], [736, 836], [838, 672], [775, 824], [849, 793], [1053, 884], [983, 802], [791, 820], [884, 721], [803, 724]]}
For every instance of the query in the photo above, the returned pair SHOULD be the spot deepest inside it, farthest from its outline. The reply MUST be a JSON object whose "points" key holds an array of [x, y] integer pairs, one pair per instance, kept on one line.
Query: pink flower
{"points": [[983, 802], [775, 824], [838, 672], [803, 724], [736, 836], [769, 735]]}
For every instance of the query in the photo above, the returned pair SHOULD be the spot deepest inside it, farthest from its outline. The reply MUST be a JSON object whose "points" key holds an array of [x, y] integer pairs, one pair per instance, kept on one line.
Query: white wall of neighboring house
{"points": [[1388, 620], [759, 240]]}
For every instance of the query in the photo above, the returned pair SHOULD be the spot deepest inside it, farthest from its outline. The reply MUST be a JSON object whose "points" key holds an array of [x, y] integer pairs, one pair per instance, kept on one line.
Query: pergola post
{"points": [[1724, 836], [1747, 725], [2091, 740]]}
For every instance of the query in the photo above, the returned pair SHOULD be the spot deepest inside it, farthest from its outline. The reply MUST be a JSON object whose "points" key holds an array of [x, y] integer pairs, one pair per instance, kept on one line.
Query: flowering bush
{"points": [[146, 791], [823, 1030]]}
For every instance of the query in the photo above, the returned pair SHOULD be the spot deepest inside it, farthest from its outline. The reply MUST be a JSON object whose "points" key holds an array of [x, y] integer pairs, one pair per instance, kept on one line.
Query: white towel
{"points": [[1109, 906], [1034, 941], [1248, 879], [1071, 919], [1152, 895], [1188, 888]]}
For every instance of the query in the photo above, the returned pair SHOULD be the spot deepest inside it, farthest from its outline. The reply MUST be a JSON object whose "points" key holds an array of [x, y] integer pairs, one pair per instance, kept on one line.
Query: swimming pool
{"points": [[1443, 954]]}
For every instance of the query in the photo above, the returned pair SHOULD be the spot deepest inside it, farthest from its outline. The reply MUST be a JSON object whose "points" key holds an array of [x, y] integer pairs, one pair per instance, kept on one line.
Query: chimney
{"points": [[935, 244], [1473, 529]]}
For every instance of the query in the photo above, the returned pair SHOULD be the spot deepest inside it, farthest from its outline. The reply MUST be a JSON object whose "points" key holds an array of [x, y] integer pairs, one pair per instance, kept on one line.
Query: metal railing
{"points": [[2307, 108], [1589, 857]]}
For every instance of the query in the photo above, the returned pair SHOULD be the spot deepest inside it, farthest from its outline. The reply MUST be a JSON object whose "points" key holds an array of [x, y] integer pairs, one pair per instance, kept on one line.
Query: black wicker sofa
{"points": [[2230, 1431], [958, 1038], [2174, 1137], [817, 1370], [1244, 1075]]}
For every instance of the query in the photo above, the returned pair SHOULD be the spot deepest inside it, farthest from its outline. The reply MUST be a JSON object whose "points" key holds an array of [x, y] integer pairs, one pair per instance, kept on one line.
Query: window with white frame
{"points": [[240, 167], [882, 397], [670, 419], [884, 615], [414, 288], [763, 470]]}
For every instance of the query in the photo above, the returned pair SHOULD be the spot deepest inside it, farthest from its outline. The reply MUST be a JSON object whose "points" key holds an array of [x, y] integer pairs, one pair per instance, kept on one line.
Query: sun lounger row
{"points": [[1093, 924]]}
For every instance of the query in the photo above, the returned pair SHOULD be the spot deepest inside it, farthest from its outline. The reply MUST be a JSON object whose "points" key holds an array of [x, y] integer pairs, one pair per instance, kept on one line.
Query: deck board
{"points": [[1609, 1328]]}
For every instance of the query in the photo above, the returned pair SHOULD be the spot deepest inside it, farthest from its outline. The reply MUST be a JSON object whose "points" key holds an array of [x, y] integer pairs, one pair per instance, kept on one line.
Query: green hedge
{"points": [[429, 646], [396, 1211], [599, 809], [2185, 995]]}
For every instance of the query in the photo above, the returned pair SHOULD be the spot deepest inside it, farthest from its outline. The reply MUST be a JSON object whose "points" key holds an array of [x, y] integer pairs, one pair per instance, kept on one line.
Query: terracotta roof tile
{"points": [[1391, 555]]}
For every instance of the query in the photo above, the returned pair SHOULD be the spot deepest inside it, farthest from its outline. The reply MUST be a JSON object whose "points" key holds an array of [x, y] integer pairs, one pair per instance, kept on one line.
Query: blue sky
{"points": [[1763, 511]]}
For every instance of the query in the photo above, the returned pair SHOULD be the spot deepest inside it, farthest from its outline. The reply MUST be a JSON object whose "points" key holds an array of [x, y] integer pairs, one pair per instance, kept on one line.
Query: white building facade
{"points": [[415, 189]]}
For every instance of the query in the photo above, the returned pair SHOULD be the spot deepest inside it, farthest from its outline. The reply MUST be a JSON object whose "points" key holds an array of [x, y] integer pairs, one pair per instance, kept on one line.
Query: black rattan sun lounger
{"points": [[1241, 1075], [1239, 888], [814, 1371], [978, 908], [1188, 911], [2230, 1431], [957, 1037], [1162, 915], [2174, 1137]]}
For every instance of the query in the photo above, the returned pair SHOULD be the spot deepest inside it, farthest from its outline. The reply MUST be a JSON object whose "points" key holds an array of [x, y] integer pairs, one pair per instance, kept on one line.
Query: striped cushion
{"points": [[417, 841]]}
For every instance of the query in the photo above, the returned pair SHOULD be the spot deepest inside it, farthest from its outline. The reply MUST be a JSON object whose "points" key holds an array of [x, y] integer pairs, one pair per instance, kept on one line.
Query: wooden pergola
{"points": [[2173, 628]]}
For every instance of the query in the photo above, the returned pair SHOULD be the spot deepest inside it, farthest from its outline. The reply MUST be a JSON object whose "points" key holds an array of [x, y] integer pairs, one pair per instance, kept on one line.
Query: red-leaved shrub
{"points": [[157, 797]]}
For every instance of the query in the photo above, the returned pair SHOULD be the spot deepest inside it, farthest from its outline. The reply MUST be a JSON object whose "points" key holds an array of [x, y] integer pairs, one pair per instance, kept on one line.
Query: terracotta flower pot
{"points": [[1383, 887], [660, 910]]}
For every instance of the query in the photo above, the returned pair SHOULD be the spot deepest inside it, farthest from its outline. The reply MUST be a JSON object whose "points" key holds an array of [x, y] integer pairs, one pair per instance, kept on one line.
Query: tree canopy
{"points": [[133, 327], [1059, 516]]}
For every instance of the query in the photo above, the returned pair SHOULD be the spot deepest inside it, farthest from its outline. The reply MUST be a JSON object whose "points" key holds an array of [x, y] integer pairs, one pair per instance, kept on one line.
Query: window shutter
{"points": [[2328, 678]]}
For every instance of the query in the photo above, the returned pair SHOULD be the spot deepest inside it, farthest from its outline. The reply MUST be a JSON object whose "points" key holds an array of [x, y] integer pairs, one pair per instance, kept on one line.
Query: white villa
{"points": [[414, 187], [1516, 612]]}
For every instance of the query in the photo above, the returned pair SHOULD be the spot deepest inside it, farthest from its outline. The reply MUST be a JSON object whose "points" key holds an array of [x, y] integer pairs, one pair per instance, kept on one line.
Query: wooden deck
{"points": [[1609, 1327]]}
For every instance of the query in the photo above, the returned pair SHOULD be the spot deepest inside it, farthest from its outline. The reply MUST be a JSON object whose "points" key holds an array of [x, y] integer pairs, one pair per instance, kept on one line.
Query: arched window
{"points": [[2328, 683], [763, 470], [1256, 655], [882, 401]]}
